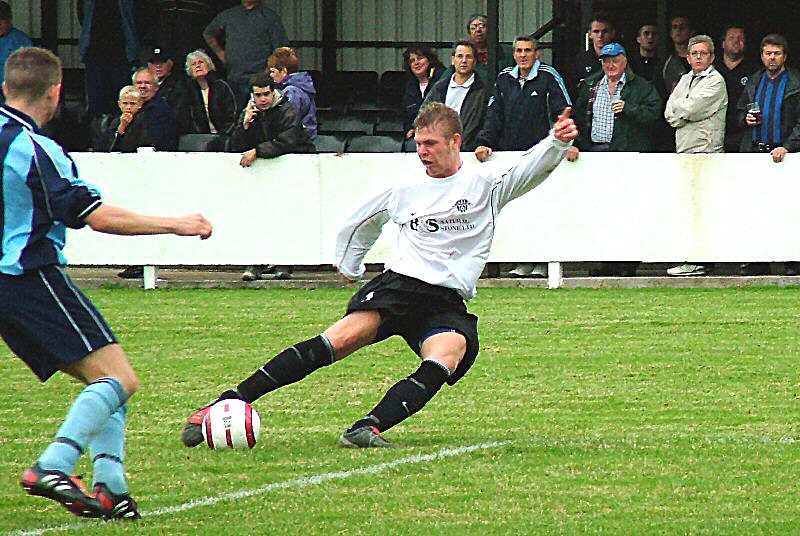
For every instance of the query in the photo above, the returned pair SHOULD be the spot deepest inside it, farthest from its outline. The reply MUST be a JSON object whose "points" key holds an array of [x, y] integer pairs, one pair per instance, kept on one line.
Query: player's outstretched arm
{"points": [[117, 220]]}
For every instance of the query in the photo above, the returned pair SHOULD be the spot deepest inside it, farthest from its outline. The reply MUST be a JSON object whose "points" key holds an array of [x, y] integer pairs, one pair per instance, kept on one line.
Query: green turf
{"points": [[625, 412]]}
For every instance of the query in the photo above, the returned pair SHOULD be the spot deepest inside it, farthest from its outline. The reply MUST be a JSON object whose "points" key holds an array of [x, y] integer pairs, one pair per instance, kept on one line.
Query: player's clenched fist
{"points": [[564, 128], [193, 225]]}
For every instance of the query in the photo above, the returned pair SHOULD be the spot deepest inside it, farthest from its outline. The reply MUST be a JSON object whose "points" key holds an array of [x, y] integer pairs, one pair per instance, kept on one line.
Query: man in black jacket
{"points": [[464, 92], [524, 104], [525, 101], [269, 125]]}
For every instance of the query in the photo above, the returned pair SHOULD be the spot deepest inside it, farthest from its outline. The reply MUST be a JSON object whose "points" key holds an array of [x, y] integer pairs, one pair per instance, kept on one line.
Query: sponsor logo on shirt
{"points": [[432, 225], [462, 205]]}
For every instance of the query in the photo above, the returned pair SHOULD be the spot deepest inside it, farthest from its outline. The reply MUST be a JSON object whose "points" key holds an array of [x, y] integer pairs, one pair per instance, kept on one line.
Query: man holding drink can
{"points": [[770, 104], [769, 108]]}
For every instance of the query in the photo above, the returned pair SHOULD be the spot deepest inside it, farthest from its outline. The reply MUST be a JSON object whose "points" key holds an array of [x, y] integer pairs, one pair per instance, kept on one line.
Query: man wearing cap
{"points": [[10, 40], [616, 110], [171, 84]]}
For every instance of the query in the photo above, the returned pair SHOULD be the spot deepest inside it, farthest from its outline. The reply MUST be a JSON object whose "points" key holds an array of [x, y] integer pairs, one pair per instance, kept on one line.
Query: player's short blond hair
{"points": [[31, 72], [440, 117]]}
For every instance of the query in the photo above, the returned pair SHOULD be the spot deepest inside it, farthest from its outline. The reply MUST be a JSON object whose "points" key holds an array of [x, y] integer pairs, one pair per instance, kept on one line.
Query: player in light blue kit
{"points": [[44, 318]]}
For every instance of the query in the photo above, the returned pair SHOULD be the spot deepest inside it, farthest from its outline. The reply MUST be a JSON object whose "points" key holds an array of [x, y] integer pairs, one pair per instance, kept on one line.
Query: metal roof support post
{"points": [[329, 36], [492, 33], [49, 21]]}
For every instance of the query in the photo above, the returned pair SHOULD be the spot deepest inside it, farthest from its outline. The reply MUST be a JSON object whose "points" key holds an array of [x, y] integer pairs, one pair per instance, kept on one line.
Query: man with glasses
{"points": [[477, 26], [697, 106], [696, 109]]}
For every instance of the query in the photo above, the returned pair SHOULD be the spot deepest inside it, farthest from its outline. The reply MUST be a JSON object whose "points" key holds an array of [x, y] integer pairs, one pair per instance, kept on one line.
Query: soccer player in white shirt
{"points": [[446, 217]]}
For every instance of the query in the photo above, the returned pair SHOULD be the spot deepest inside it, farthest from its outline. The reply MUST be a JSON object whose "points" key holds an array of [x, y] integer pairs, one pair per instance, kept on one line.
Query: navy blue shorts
{"points": [[415, 310], [48, 322]]}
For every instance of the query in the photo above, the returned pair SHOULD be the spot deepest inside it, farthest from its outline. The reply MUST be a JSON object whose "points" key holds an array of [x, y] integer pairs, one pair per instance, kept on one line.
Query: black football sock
{"points": [[406, 397], [289, 366]]}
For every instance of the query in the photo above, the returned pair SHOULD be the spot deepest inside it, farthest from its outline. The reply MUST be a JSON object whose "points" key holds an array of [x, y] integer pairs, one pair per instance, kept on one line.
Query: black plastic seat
{"points": [[374, 144]]}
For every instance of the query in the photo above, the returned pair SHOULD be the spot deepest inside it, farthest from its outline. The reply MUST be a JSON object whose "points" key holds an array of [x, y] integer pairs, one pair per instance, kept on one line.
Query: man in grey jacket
{"points": [[696, 109], [465, 92], [697, 106]]}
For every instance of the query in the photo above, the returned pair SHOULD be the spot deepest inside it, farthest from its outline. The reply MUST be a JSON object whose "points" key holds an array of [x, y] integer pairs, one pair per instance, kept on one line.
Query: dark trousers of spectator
{"points": [[103, 83]]}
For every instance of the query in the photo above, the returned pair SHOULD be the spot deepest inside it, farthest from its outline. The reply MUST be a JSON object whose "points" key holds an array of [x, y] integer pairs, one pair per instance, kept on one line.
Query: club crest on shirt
{"points": [[744, 80], [462, 205]]}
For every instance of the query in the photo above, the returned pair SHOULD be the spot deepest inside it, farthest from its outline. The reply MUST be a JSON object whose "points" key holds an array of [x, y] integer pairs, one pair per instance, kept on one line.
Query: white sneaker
{"points": [[522, 270], [687, 269], [252, 273], [539, 270]]}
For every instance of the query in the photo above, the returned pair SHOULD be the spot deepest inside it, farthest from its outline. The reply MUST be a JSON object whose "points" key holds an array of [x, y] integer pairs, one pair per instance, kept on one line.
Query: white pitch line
{"points": [[286, 484]]}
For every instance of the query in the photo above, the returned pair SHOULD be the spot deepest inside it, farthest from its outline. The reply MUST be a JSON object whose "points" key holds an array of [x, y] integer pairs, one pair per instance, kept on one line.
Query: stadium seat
{"points": [[391, 87], [202, 143], [389, 124], [346, 124], [328, 143], [357, 86], [374, 144]]}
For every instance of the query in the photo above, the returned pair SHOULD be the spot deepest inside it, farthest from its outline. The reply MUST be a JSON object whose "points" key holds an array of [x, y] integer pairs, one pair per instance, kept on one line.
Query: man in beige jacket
{"points": [[696, 109], [697, 106]]}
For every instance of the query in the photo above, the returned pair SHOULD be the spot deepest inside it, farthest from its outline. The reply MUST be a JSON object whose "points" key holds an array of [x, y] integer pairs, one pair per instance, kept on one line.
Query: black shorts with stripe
{"points": [[47, 321], [413, 309]]}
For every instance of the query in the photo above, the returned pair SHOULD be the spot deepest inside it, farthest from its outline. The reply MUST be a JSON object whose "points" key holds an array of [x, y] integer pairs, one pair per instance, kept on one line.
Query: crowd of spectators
{"points": [[243, 89]]}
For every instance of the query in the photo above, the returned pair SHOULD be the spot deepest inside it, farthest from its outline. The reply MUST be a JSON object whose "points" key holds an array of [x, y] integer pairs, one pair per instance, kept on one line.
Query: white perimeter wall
{"points": [[624, 206]]}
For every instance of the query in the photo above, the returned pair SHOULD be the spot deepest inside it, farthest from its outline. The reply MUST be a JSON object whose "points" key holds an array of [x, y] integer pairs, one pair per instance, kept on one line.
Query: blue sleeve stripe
{"points": [[559, 81], [18, 204]]}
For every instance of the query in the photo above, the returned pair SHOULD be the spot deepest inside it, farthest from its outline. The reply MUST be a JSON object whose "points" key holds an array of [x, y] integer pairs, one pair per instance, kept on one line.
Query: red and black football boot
{"points": [[192, 434], [116, 506], [66, 490]]}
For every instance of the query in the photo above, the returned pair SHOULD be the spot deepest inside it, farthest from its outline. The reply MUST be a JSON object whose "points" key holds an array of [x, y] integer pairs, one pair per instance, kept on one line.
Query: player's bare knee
{"points": [[446, 348], [344, 343]]}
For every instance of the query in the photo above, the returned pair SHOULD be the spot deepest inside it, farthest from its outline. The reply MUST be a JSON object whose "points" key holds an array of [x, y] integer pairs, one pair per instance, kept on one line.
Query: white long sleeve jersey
{"points": [[446, 226]]}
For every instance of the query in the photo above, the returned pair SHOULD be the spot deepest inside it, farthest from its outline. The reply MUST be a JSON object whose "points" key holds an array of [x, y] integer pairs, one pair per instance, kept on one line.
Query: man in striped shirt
{"points": [[775, 127], [44, 318]]}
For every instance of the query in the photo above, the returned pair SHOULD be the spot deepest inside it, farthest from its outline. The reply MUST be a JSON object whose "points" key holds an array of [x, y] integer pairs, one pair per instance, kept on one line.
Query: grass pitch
{"points": [[617, 412]]}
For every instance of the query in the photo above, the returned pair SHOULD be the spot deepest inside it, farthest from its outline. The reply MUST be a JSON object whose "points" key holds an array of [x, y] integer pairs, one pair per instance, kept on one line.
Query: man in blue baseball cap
{"points": [[615, 111]]}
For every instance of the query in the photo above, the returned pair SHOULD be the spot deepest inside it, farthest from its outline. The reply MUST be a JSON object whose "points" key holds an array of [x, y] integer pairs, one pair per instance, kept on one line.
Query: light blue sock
{"points": [[107, 450], [88, 414]]}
